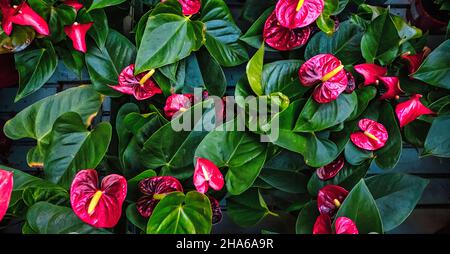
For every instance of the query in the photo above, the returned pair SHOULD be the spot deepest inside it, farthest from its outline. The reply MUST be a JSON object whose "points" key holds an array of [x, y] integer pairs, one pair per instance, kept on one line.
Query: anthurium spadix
{"points": [[328, 73], [98, 206], [77, 33], [282, 38], [373, 135], [206, 175], [298, 13], [141, 86], [23, 15], [6, 187]]}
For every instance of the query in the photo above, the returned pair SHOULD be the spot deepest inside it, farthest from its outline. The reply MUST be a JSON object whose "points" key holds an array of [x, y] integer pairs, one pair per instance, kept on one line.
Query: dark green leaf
{"points": [[254, 71], [253, 36], [282, 76], [437, 142], [306, 218], [100, 4], [212, 73], [100, 29]]}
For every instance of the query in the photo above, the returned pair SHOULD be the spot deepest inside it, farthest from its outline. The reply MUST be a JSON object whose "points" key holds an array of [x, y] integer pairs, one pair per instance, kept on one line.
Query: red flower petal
{"points": [[298, 13], [74, 4], [6, 188], [373, 136], [414, 61], [130, 84], [331, 170], [155, 185], [393, 89], [102, 207], [281, 38], [344, 225], [327, 69], [408, 111], [322, 225], [216, 211], [207, 174], [330, 198], [23, 15], [77, 33], [178, 102], [370, 72]]}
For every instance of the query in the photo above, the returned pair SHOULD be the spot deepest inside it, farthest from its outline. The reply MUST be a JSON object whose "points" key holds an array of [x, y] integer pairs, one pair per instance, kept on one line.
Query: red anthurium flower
{"points": [[282, 38], [416, 60], [6, 187], [373, 136], [327, 70], [342, 225], [74, 3], [351, 86], [393, 89], [207, 174], [178, 103], [98, 207], [408, 111], [330, 198], [331, 170], [370, 72], [155, 189], [77, 33], [216, 211], [22, 15], [190, 7], [298, 13], [141, 86]]}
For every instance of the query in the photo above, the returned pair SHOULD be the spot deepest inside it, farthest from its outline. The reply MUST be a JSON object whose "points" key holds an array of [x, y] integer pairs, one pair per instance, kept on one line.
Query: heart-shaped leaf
{"points": [[437, 141], [396, 196], [435, 68], [306, 218], [73, 148], [282, 76], [100, 29], [361, 208], [213, 75], [181, 214]]}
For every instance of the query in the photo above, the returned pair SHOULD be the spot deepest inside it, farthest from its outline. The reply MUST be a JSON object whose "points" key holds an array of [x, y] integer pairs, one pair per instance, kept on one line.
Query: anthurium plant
{"points": [[329, 88]]}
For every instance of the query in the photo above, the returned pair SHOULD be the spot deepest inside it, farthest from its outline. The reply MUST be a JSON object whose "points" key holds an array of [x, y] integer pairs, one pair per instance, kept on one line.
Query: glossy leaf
{"points": [[248, 208], [344, 44], [254, 71], [316, 117], [435, 68], [73, 148], [178, 213], [168, 39], [45, 218], [437, 141], [104, 64], [100, 28], [100, 4], [212, 74], [35, 68], [253, 37], [306, 218], [239, 151], [282, 76], [396, 196], [135, 217], [365, 95], [361, 207], [374, 46], [19, 40]]}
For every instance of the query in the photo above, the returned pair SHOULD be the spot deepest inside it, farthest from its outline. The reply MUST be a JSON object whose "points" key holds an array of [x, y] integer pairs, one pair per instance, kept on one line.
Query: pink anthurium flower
{"points": [[178, 103], [98, 207], [207, 174], [370, 72], [155, 189], [328, 72], [331, 170], [22, 15], [74, 4], [6, 188], [408, 111], [190, 7], [414, 61], [216, 211], [330, 198], [141, 86], [393, 89], [77, 33], [298, 13], [373, 136], [282, 38], [342, 225]]}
